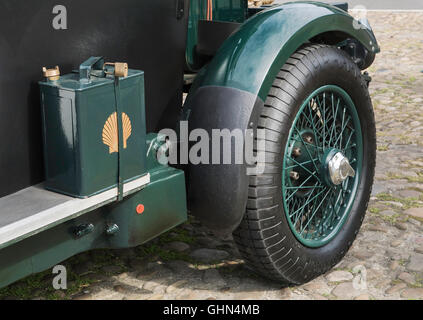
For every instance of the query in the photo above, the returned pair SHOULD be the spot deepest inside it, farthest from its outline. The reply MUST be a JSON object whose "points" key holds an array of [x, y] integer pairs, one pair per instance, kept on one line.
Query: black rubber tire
{"points": [[264, 237]]}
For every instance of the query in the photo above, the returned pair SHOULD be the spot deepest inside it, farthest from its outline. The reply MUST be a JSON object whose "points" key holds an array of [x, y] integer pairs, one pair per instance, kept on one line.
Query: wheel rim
{"points": [[322, 166]]}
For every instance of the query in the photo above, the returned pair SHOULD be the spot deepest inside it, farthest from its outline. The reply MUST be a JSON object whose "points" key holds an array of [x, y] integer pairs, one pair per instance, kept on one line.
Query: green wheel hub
{"points": [[322, 166]]}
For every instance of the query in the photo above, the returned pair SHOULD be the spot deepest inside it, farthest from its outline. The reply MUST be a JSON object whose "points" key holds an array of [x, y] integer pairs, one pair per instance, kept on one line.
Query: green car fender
{"points": [[229, 92], [251, 58]]}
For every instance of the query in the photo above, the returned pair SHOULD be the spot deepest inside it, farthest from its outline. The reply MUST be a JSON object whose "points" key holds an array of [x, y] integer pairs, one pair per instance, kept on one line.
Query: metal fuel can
{"points": [[93, 128]]}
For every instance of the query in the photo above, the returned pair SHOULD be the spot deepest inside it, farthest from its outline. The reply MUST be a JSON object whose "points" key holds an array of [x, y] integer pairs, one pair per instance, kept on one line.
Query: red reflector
{"points": [[140, 209]]}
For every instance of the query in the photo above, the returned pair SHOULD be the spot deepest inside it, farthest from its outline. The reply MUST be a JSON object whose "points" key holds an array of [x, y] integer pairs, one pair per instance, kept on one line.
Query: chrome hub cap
{"points": [[340, 169]]}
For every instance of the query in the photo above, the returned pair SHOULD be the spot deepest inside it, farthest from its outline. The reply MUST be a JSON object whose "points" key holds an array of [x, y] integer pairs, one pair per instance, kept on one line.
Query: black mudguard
{"points": [[217, 193]]}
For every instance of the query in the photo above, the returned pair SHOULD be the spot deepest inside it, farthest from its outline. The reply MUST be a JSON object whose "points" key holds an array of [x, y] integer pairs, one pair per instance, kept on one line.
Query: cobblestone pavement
{"points": [[385, 262]]}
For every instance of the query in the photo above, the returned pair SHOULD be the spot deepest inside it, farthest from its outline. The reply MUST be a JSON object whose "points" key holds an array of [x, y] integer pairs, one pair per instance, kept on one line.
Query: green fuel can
{"points": [[93, 129]]}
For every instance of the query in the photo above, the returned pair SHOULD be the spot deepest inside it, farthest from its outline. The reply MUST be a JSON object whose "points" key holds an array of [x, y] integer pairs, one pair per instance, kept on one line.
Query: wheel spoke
{"points": [[342, 132], [350, 147], [308, 144], [334, 120], [314, 174], [320, 147], [316, 208], [303, 163], [308, 201], [306, 187], [348, 140], [302, 185], [342, 128], [306, 147], [324, 123]]}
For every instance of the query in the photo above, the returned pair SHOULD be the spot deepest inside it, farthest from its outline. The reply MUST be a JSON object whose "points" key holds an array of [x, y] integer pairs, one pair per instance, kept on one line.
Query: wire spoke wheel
{"points": [[306, 207], [315, 203]]}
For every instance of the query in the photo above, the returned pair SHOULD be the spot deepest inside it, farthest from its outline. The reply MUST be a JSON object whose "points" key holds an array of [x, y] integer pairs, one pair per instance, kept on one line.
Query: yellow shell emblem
{"points": [[110, 132]]}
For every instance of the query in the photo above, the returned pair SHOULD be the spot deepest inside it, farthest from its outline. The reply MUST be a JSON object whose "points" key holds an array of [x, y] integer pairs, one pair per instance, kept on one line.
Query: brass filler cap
{"points": [[51, 74]]}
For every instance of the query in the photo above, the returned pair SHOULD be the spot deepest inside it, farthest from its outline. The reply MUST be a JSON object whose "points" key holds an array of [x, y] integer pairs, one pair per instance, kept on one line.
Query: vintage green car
{"points": [[89, 165]]}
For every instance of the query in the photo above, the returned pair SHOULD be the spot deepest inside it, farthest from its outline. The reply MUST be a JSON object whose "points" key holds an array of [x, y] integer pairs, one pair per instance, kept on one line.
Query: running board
{"points": [[35, 209]]}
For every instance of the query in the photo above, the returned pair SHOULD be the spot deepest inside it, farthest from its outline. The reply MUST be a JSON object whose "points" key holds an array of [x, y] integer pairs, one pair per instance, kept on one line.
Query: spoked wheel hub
{"points": [[321, 166], [336, 168]]}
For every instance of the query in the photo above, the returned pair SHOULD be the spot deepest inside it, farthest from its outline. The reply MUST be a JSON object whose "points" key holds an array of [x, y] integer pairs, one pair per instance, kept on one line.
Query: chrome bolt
{"points": [[112, 229], [308, 139], [294, 175], [296, 152]]}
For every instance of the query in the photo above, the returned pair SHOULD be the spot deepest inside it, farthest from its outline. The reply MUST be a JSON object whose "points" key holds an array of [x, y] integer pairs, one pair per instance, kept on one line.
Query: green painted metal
{"points": [[223, 10], [327, 122], [165, 208], [251, 58], [117, 225], [75, 111]]}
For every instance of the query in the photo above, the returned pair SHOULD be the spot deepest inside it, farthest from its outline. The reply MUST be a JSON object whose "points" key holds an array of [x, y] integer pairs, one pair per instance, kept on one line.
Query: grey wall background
{"points": [[380, 4]]}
